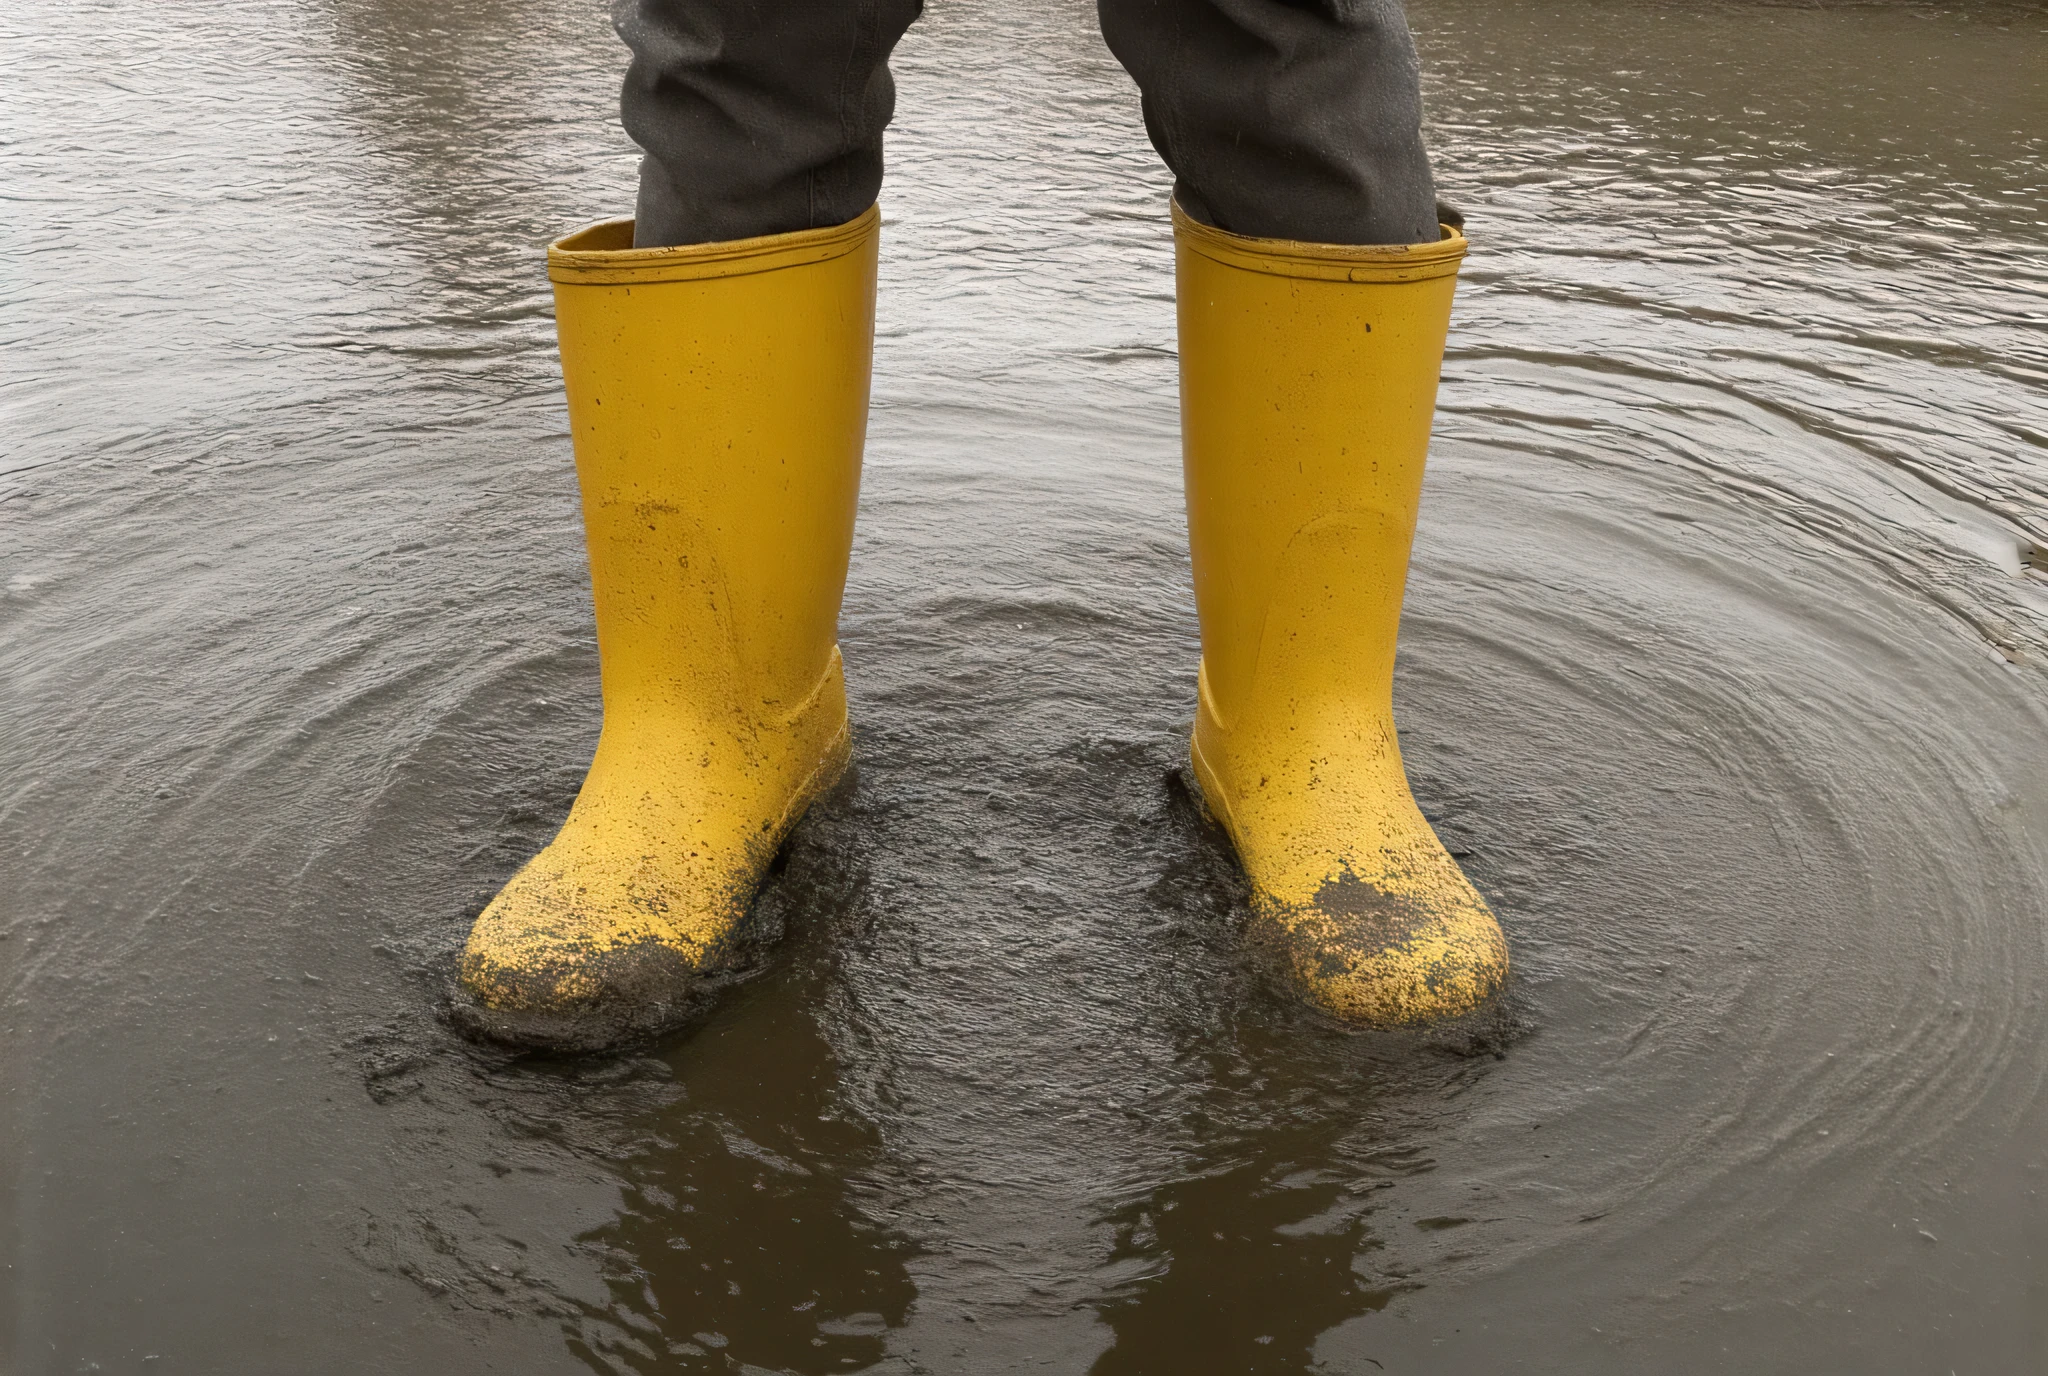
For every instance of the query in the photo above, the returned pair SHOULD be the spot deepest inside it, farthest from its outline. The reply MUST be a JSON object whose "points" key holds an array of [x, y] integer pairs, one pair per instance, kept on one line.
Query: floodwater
{"points": [[1725, 670]]}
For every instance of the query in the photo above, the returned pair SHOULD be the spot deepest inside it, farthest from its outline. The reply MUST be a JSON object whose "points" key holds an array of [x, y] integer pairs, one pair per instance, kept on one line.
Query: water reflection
{"points": [[741, 1240], [1282, 1138], [1245, 1266], [748, 1231]]}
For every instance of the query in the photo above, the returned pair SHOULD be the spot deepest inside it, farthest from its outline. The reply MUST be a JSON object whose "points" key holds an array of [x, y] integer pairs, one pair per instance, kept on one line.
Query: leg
{"points": [[716, 360], [1308, 379], [718, 401], [757, 116], [1283, 119]]}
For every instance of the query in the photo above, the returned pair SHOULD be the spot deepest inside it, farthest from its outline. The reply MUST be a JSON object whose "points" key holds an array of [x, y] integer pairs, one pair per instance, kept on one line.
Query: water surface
{"points": [[1722, 672]]}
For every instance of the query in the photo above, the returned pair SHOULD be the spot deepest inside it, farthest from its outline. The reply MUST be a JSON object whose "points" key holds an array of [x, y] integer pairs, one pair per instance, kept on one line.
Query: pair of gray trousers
{"points": [[1286, 119]]}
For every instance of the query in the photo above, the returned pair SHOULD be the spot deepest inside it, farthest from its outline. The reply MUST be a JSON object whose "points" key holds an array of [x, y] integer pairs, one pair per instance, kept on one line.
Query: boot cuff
{"points": [[1325, 262], [603, 253]]}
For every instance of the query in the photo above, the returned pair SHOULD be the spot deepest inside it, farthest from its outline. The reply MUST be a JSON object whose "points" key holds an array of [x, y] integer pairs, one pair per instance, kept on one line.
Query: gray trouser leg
{"points": [[1292, 119], [757, 116], [1286, 119]]}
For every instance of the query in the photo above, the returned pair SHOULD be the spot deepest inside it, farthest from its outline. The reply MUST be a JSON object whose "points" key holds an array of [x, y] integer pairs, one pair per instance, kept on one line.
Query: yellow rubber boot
{"points": [[1308, 380], [718, 398]]}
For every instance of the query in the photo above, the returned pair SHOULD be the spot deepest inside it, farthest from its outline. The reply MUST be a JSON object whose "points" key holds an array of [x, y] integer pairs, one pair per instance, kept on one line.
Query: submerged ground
{"points": [[1725, 670]]}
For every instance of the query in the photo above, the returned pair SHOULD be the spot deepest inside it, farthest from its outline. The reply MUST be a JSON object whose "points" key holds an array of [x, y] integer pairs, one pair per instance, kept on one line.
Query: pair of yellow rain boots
{"points": [[718, 398]]}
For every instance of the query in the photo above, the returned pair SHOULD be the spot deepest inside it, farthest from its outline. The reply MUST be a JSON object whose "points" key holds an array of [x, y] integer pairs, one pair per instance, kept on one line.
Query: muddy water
{"points": [[1725, 670]]}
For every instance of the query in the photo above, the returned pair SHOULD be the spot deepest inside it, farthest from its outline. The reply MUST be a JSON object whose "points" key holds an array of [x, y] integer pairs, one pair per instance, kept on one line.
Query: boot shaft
{"points": [[1308, 380], [718, 399]]}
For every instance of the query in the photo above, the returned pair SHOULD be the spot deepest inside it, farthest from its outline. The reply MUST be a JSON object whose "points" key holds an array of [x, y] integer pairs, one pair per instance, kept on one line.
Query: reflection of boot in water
{"points": [[741, 1242], [718, 402], [1308, 379]]}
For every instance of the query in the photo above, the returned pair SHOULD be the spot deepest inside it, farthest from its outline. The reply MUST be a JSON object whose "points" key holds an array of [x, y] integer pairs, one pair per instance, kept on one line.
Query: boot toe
{"points": [[1381, 957], [576, 995]]}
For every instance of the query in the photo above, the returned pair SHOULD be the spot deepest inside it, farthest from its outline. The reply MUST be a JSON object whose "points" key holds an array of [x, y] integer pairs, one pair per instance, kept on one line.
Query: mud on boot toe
{"points": [[582, 1000]]}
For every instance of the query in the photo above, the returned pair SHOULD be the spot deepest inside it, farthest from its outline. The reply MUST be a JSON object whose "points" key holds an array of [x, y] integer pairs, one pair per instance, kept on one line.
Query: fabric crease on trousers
{"points": [[1289, 119]]}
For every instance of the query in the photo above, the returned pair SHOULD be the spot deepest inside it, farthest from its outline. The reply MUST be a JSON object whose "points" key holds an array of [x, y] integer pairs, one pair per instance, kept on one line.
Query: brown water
{"points": [[1725, 670]]}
